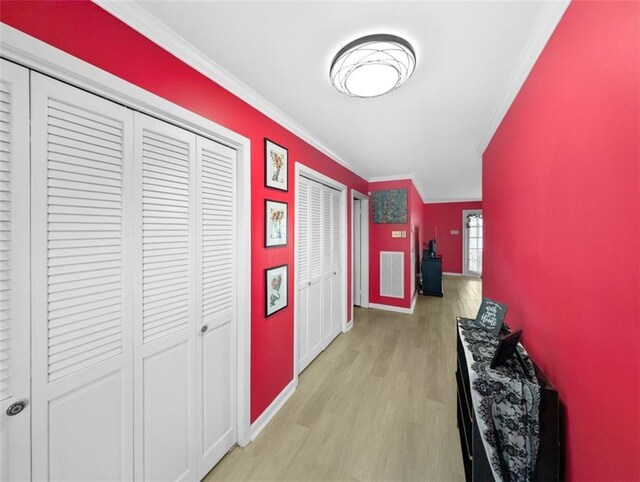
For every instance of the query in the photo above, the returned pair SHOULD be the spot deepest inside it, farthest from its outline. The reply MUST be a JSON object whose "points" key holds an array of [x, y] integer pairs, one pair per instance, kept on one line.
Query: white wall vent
{"points": [[392, 274]]}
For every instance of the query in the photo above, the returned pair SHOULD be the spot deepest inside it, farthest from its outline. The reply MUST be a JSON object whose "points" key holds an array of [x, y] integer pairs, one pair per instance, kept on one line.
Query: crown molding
{"points": [[159, 33], [402, 177], [457, 200], [546, 24]]}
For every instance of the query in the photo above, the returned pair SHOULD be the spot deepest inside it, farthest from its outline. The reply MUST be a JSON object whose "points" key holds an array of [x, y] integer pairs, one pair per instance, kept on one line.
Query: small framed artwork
{"points": [[276, 289], [275, 223], [276, 163], [390, 206], [508, 347]]}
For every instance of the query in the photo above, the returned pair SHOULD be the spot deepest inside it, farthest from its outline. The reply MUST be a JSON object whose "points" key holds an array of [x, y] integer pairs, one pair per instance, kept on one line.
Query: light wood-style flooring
{"points": [[378, 404]]}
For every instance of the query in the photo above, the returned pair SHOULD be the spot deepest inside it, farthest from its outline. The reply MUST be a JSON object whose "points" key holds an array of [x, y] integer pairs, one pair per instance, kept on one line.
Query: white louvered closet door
{"points": [[337, 232], [164, 309], [315, 271], [310, 309], [81, 293], [304, 278], [15, 350], [217, 292], [327, 267]]}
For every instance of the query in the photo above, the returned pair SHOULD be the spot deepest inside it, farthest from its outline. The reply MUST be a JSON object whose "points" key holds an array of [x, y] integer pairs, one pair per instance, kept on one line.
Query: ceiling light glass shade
{"points": [[373, 65]]}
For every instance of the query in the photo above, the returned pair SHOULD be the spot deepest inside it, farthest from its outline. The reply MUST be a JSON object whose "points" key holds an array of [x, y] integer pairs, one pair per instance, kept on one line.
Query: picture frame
{"points": [[276, 166], [507, 348], [390, 206], [276, 219], [276, 289]]}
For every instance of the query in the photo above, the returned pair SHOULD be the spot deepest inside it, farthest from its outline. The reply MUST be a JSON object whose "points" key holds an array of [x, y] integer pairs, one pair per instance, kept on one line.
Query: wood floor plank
{"points": [[378, 404]]}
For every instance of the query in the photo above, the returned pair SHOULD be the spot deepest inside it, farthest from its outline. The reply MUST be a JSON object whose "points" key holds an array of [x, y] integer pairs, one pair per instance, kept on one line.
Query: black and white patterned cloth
{"points": [[506, 404]]}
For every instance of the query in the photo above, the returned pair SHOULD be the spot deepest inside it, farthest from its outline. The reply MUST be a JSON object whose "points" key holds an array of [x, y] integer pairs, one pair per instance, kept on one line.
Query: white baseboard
{"points": [[444, 273], [263, 420], [348, 326], [397, 309]]}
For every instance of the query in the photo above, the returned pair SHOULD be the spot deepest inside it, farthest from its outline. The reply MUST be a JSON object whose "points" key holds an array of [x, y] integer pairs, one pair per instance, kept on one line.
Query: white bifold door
{"points": [[319, 268], [82, 284], [15, 341], [133, 260]]}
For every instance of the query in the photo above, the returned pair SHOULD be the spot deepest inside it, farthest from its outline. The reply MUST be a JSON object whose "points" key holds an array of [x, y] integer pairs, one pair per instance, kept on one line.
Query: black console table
{"points": [[484, 451], [431, 276]]}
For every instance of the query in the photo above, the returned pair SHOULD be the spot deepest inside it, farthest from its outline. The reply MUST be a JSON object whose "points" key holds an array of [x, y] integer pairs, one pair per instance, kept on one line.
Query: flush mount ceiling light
{"points": [[372, 65]]}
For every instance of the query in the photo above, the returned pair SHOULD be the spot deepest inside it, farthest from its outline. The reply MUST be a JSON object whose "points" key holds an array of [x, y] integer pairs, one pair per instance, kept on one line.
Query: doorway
{"points": [[91, 247], [472, 245], [320, 279], [359, 251]]}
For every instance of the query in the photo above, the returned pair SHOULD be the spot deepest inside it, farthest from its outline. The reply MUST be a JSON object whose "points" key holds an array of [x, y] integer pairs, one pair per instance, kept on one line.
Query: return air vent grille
{"points": [[392, 274]]}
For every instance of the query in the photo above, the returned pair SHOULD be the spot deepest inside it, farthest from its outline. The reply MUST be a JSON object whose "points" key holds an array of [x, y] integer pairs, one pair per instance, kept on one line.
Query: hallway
{"points": [[378, 404]]}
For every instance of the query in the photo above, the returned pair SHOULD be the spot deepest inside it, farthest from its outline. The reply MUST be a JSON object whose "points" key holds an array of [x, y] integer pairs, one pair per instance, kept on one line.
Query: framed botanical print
{"points": [[276, 289], [275, 223], [276, 163]]}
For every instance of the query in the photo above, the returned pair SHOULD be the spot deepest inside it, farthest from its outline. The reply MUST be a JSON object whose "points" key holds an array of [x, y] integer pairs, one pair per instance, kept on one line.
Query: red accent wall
{"points": [[380, 240], [561, 198], [84, 30], [444, 217]]}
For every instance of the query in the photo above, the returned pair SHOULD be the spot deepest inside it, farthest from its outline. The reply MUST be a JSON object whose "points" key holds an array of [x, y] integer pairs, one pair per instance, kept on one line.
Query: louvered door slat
{"points": [[327, 225], [7, 318], [336, 232], [218, 225], [165, 169], [99, 213], [315, 221], [303, 232]]}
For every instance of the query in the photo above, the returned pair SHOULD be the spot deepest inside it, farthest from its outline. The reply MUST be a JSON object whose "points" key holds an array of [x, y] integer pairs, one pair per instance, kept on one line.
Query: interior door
{"points": [[82, 422], [164, 310], [357, 236], [217, 292], [311, 341], [327, 268], [304, 280], [15, 319], [337, 231]]}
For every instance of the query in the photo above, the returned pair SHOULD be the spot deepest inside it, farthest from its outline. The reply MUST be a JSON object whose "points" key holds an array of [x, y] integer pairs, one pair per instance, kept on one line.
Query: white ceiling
{"points": [[472, 58]]}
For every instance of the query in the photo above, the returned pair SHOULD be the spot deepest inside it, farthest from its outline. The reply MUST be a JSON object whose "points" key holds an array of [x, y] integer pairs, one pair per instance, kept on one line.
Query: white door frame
{"points": [[309, 173], [465, 241], [364, 250], [42, 57]]}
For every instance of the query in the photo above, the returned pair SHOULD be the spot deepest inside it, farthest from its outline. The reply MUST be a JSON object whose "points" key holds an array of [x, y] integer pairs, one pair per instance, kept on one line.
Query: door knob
{"points": [[16, 408], [204, 328]]}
